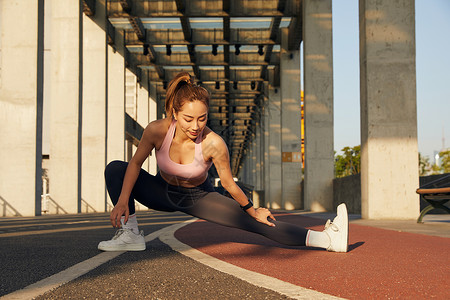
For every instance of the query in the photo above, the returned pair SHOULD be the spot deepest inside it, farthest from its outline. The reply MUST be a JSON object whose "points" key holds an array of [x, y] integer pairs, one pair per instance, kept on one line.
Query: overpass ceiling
{"points": [[232, 48]]}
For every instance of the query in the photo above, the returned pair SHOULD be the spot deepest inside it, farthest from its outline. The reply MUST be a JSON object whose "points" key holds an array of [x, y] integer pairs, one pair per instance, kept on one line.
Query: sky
{"points": [[432, 74]]}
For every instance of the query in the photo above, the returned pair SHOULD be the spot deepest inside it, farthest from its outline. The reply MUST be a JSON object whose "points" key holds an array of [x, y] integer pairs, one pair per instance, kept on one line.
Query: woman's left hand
{"points": [[262, 214]]}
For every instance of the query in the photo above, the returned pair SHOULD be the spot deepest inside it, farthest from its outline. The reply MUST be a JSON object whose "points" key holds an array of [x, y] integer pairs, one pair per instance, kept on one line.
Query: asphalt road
{"points": [[35, 250], [32, 249]]}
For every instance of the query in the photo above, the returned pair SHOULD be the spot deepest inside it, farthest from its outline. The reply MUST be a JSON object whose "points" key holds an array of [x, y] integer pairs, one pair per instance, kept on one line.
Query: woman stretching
{"points": [[185, 150]]}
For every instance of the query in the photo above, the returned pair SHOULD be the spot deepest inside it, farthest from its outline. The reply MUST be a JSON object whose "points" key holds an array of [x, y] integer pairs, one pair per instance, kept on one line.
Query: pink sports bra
{"points": [[195, 169]]}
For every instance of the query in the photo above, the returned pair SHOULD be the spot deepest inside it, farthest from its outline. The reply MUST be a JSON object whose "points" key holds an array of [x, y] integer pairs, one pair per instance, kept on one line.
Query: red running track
{"points": [[380, 263]]}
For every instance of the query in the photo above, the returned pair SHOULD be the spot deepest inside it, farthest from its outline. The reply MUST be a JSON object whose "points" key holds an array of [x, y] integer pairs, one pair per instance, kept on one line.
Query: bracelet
{"points": [[249, 204]]}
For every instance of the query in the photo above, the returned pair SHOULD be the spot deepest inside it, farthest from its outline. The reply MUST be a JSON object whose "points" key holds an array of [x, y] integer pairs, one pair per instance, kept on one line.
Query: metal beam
{"points": [[233, 109], [111, 33], [201, 8], [125, 5], [140, 33], [206, 59], [187, 32], [138, 28], [201, 36], [89, 7], [295, 30], [132, 128]]}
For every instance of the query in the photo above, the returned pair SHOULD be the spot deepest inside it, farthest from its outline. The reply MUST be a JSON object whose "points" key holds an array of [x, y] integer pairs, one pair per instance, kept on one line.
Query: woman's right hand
{"points": [[121, 209], [262, 215]]}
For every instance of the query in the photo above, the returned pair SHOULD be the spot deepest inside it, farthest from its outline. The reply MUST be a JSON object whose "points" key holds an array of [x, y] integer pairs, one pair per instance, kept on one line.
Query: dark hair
{"points": [[182, 89]]}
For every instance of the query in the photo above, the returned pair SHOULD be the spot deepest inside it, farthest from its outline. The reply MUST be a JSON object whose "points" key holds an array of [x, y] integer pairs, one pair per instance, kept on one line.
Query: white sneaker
{"points": [[124, 240], [338, 230]]}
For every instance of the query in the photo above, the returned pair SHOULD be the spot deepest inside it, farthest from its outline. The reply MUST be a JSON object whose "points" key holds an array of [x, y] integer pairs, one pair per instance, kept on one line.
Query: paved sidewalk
{"points": [[435, 224], [381, 263], [33, 249]]}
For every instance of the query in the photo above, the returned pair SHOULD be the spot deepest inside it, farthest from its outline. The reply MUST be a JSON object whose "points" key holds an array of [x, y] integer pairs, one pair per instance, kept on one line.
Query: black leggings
{"points": [[201, 202]]}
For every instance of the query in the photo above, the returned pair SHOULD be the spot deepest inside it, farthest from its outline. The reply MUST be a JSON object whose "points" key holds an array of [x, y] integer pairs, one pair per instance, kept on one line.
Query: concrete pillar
{"points": [[130, 94], [153, 115], [258, 161], [46, 106], [142, 106], [116, 110], [248, 167], [257, 194], [318, 104], [251, 175], [143, 114], [130, 107], [21, 98], [389, 158], [128, 149], [249, 171], [65, 106], [254, 162], [291, 138], [116, 106], [274, 128], [243, 172], [266, 149], [94, 112]]}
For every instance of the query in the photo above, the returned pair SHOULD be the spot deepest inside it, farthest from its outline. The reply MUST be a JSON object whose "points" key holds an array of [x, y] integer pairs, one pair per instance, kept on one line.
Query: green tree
{"points": [[424, 165], [435, 169], [349, 162], [445, 160]]}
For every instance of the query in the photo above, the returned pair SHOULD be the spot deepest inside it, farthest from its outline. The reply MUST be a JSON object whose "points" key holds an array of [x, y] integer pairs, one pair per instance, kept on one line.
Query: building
{"points": [[102, 67]]}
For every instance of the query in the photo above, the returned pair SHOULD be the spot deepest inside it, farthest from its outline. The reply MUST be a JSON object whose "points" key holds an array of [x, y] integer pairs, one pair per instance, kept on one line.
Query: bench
{"points": [[436, 193]]}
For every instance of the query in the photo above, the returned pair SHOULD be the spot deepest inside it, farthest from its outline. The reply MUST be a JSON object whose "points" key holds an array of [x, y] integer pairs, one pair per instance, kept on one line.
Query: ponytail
{"points": [[181, 89]]}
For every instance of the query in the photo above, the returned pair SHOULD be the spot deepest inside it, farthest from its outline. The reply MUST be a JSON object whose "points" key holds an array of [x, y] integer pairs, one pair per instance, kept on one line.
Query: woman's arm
{"points": [[145, 146], [221, 160]]}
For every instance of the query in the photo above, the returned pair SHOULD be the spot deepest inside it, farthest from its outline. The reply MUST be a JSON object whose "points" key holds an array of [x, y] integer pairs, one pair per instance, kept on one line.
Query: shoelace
{"points": [[330, 224], [118, 233]]}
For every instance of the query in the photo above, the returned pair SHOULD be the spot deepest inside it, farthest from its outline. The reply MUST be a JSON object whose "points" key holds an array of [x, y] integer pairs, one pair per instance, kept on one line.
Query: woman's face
{"points": [[192, 118]]}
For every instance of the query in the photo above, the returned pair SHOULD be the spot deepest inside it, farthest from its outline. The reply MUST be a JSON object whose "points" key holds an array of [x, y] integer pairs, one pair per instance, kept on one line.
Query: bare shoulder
{"points": [[156, 131], [213, 145], [158, 125], [210, 136]]}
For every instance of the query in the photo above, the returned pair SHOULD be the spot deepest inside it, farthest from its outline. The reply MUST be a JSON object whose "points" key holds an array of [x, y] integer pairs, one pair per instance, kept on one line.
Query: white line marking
{"points": [[282, 287], [49, 283], [69, 274], [166, 235], [91, 227]]}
